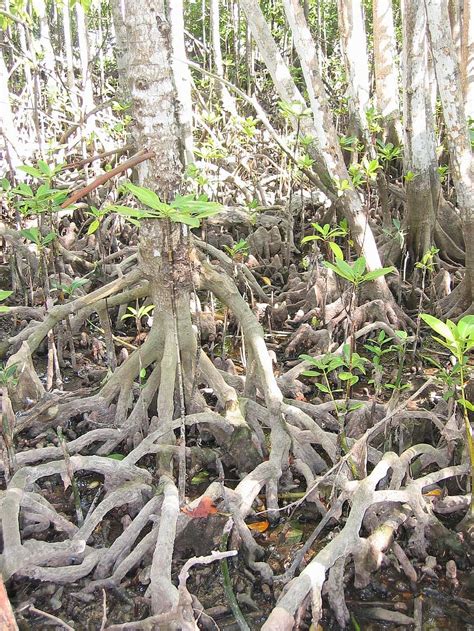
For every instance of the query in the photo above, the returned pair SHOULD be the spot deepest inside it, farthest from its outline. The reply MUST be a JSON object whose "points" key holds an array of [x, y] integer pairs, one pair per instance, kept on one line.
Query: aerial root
{"points": [[367, 553]]}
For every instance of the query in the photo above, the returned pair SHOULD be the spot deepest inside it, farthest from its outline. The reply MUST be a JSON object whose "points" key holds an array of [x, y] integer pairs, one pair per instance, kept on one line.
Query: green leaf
{"points": [[338, 271], [359, 266], [293, 536], [193, 222], [438, 326], [4, 309], [116, 456], [79, 282], [31, 171], [376, 273], [44, 168], [338, 253], [43, 191], [466, 327], [402, 336], [451, 346], [200, 477], [51, 236], [310, 237], [32, 234], [345, 268], [322, 388], [137, 213], [373, 349], [93, 227], [24, 190], [143, 373], [147, 197], [345, 376], [466, 404], [4, 294], [311, 373], [191, 205], [335, 363]]}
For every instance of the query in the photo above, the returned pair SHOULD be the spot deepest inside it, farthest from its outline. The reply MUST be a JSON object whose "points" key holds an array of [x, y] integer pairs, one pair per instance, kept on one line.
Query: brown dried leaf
{"points": [[205, 508]]}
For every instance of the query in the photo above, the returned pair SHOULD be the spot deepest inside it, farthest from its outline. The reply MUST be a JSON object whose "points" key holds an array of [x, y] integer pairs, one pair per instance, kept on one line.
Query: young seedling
{"points": [[356, 273], [138, 314], [69, 289], [426, 265], [4, 294], [459, 340], [184, 209], [349, 362], [239, 251], [379, 347], [41, 242], [326, 236], [8, 375]]}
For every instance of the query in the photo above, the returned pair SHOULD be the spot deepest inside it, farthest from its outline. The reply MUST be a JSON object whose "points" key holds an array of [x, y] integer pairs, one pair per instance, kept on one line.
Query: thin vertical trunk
{"points": [[467, 57], [423, 188], [354, 48], [45, 44], [8, 131], [71, 84], [249, 59], [449, 85], [455, 11], [283, 81], [182, 79], [87, 91], [100, 51], [306, 9], [327, 139], [227, 100], [386, 75], [163, 248], [29, 54], [204, 31], [37, 104], [236, 40], [121, 45]]}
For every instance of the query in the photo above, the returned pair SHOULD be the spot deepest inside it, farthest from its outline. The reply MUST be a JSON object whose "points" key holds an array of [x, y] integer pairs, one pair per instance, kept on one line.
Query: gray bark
{"points": [[449, 84], [423, 190], [386, 74], [325, 133]]}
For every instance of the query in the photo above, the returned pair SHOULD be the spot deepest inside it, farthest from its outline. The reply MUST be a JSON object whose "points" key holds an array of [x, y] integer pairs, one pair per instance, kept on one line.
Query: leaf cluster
{"points": [[183, 209]]}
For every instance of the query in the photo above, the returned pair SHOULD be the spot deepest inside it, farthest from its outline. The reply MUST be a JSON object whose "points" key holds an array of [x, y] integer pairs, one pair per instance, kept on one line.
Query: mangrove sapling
{"points": [[381, 346], [357, 276], [350, 363], [96, 226], [138, 314], [239, 251], [4, 294], [68, 290], [459, 340], [426, 265], [327, 235], [295, 112], [41, 242]]}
